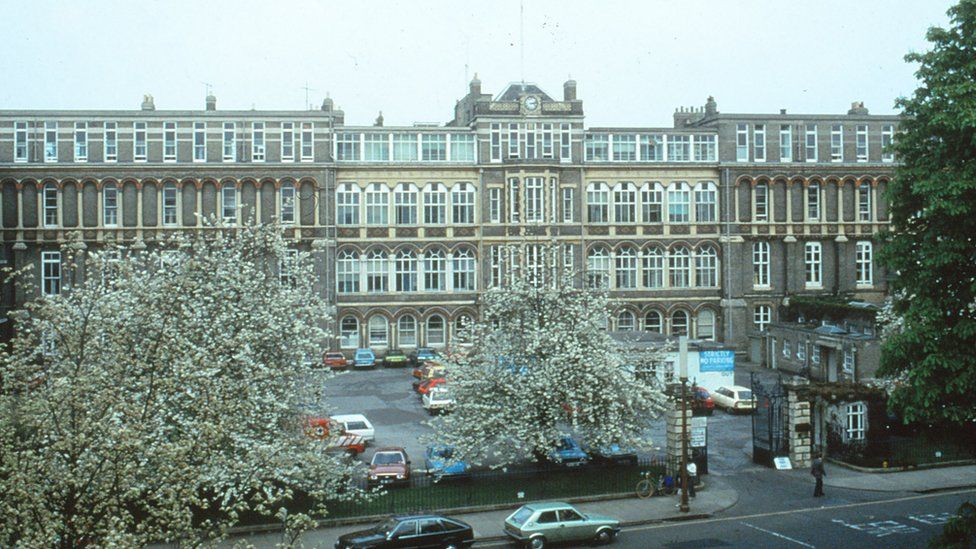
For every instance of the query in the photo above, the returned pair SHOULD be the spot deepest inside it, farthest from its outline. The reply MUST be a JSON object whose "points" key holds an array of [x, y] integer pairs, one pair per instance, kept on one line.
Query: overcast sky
{"points": [[634, 61]]}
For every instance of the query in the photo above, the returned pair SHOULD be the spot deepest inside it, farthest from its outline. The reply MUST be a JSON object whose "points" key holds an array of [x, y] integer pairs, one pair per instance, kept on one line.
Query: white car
{"points": [[734, 399], [357, 424], [437, 399]]}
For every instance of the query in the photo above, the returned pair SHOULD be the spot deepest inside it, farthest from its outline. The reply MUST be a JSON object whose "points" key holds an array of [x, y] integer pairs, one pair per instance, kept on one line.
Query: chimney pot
{"points": [[569, 90], [782, 111]]}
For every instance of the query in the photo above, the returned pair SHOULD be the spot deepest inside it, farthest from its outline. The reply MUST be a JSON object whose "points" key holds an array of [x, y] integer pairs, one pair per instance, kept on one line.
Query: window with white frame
{"points": [[111, 142], [433, 147], [679, 202], [347, 272], [347, 204], [652, 203], [849, 362], [887, 141], [230, 142], [815, 353], [377, 204], [288, 141], [405, 147], [257, 142], [864, 261], [513, 140], [679, 148], [679, 267], [407, 331], [50, 273], [288, 202], [652, 268], [569, 259], [812, 259], [495, 142], [706, 267], [787, 348], [347, 146], [376, 147], [565, 143], [762, 316], [861, 143], [462, 147], [496, 269], [462, 203], [837, 143], [405, 271], [855, 421], [169, 204], [813, 202], [626, 321], [652, 148], [706, 202], [228, 203], [378, 331], [760, 264], [349, 332], [494, 205], [624, 202], [679, 323], [624, 148], [463, 268], [761, 192], [598, 203], [140, 148], [377, 272], [535, 264], [597, 147], [50, 200], [534, 200], [706, 148], [598, 268], [405, 204], [435, 330], [20, 142], [785, 143], [110, 205], [759, 142], [653, 322], [50, 141], [435, 204], [308, 142], [810, 147], [462, 329], [705, 325], [435, 270], [199, 142], [864, 212], [169, 141], [801, 351], [532, 138], [625, 268], [81, 142], [742, 142]]}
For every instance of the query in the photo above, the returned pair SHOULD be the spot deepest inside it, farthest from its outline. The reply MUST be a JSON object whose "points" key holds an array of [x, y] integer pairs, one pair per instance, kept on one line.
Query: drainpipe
{"points": [[727, 255]]}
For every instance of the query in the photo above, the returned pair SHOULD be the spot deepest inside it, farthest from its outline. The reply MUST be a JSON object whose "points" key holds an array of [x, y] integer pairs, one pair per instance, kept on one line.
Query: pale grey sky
{"points": [[634, 61]]}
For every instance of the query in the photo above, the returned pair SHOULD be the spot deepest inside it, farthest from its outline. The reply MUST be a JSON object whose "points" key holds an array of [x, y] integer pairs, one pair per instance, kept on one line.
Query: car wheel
{"points": [[537, 542], [604, 536]]}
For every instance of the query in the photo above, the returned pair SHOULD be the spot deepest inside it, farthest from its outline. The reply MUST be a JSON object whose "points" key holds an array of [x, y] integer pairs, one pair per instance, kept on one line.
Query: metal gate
{"points": [[770, 436]]}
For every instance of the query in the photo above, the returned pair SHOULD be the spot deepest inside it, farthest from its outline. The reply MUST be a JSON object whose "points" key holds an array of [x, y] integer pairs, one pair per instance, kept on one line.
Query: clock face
{"points": [[531, 103]]}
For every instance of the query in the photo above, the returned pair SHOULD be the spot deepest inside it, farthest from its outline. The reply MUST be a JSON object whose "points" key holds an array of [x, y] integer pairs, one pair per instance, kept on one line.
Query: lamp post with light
{"points": [[683, 374]]}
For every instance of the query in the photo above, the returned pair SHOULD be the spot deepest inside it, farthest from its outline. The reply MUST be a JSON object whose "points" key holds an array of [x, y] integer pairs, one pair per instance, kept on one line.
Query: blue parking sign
{"points": [[716, 361]]}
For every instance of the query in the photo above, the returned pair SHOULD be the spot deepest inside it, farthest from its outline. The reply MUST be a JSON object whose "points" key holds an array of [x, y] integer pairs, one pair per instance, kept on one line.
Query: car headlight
{"points": [[400, 477]]}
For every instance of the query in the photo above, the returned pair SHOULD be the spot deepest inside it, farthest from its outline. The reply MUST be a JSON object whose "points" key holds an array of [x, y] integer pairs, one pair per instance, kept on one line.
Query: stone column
{"points": [[673, 430], [801, 430]]}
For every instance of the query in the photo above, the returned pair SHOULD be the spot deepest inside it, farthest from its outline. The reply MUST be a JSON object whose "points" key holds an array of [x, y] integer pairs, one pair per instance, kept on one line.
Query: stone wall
{"points": [[800, 430], [673, 427]]}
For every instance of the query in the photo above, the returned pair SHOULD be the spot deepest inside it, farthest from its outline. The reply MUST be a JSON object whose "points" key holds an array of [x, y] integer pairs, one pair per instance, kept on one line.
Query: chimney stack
{"points": [[474, 88], [327, 103], [211, 102], [569, 90], [858, 108], [147, 103]]}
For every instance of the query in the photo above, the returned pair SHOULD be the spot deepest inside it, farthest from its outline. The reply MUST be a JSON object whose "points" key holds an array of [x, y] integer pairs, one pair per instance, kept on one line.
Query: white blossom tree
{"points": [[541, 365], [160, 398]]}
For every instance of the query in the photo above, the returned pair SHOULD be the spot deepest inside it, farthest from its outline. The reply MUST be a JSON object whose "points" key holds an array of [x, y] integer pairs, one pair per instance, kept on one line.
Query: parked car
{"points": [[702, 402], [356, 424], [734, 399], [335, 360], [422, 354], [364, 358], [430, 371], [389, 466], [438, 460], [613, 454], [426, 385], [568, 453], [338, 440], [395, 357], [437, 399], [410, 531], [538, 525]]}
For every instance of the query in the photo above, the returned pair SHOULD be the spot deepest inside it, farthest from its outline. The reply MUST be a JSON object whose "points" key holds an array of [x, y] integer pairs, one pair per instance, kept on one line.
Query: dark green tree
{"points": [[932, 247]]}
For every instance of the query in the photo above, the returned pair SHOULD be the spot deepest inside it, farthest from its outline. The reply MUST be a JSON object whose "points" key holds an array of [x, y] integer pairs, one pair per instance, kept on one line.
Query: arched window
{"points": [[406, 271], [379, 330], [653, 322], [435, 204], [349, 332], [624, 203], [652, 266], [598, 203], [706, 202], [405, 204], [110, 205], [679, 267], [706, 267], [435, 330], [347, 204], [462, 325], [347, 272], [464, 270], [598, 268], [407, 331], [679, 202], [679, 323], [626, 321], [228, 203], [435, 270], [706, 324], [761, 191], [50, 198], [377, 272], [625, 268], [169, 204]]}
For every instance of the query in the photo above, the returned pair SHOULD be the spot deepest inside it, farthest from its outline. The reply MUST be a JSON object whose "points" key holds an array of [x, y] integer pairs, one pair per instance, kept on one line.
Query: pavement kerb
{"points": [[882, 470]]}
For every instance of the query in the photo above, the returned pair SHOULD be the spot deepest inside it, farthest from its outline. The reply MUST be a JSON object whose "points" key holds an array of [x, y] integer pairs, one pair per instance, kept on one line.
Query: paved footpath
{"points": [[921, 480]]}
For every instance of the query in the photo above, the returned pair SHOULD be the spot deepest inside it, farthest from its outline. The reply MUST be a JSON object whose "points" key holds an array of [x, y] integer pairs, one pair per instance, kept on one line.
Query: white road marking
{"points": [[941, 518], [781, 536], [879, 529]]}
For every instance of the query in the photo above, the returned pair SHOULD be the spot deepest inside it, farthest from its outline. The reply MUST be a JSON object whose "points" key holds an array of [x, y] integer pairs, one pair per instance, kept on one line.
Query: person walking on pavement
{"points": [[692, 478], [818, 472]]}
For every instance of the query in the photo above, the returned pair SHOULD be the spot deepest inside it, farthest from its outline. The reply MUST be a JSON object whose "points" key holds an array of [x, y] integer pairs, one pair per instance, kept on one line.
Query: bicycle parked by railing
{"points": [[649, 485]]}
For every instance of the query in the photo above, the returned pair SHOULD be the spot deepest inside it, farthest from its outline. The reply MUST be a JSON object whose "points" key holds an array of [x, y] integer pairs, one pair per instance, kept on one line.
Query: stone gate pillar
{"points": [[673, 416], [801, 429]]}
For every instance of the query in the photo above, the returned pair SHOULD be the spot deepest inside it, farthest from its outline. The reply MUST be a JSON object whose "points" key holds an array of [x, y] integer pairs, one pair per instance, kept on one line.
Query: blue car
{"points": [[364, 358], [614, 455], [423, 354], [438, 462], [568, 453]]}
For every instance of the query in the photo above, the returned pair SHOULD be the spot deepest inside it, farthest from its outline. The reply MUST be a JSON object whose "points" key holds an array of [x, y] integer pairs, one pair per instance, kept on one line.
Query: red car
{"points": [[334, 360], [701, 401], [425, 386]]}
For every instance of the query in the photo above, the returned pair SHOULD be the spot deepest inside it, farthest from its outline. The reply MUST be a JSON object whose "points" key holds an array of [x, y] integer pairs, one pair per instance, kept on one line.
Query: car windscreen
{"points": [[745, 395], [521, 516], [356, 426], [445, 453], [387, 458]]}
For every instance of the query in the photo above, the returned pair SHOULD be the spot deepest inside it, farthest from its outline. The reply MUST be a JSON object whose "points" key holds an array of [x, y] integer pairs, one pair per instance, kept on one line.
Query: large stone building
{"points": [[701, 228]]}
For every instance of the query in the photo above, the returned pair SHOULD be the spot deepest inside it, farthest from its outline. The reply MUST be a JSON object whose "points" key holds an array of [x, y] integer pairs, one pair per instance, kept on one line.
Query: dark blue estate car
{"points": [[411, 531], [568, 453]]}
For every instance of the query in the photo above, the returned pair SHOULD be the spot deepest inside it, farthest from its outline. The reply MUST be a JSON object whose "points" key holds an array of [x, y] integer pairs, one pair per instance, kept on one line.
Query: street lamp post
{"points": [[683, 373]]}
